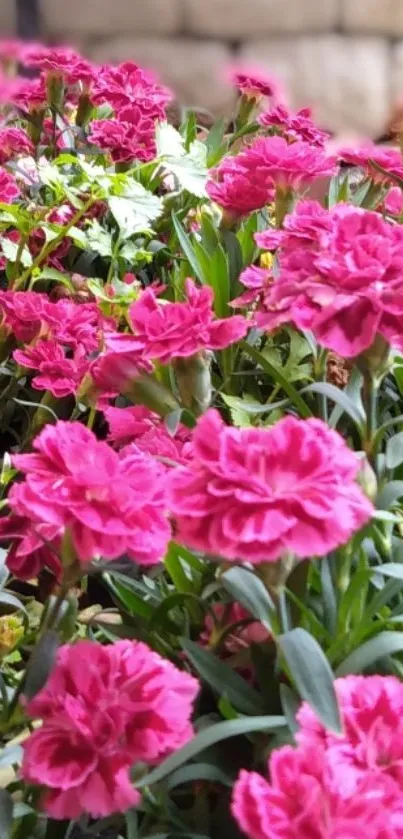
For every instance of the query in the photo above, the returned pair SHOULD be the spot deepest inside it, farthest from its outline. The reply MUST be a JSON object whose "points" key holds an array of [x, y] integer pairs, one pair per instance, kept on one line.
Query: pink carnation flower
{"points": [[125, 139], [242, 499], [257, 281], [60, 61], [34, 546], [22, 313], [122, 362], [302, 801], [130, 85], [9, 189], [147, 430], [295, 126], [30, 94], [57, 373], [111, 505], [371, 745], [104, 709], [242, 637], [364, 156], [393, 202], [14, 141], [252, 81], [238, 191], [290, 166], [343, 283], [77, 324], [178, 330]]}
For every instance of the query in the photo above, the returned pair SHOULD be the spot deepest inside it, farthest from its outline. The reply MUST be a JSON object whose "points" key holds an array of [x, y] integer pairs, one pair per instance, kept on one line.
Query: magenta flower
{"points": [[22, 313], [257, 281], [241, 498], [77, 324], [122, 362], [60, 61], [238, 190], [393, 202], [111, 505], [295, 126], [242, 637], [364, 156], [104, 709], [178, 330], [125, 139], [14, 141], [290, 166], [34, 546], [29, 94], [302, 801], [130, 85], [57, 373], [147, 430], [342, 280], [9, 189], [252, 81]]}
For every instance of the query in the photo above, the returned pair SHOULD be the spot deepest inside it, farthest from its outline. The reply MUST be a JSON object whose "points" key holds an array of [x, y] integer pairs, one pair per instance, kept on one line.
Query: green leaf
{"points": [[218, 279], [208, 737], [10, 755], [384, 644], [390, 569], [214, 142], [199, 772], [277, 375], [6, 814], [48, 273], [187, 248], [133, 603], [99, 239], [188, 167], [389, 494], [223, 679], [135, 210], [394, 451], [11, 600], [132, 824], [290, 704], [10, 251], [41, 663], [340, 398], [312, 675], [248, 589]]}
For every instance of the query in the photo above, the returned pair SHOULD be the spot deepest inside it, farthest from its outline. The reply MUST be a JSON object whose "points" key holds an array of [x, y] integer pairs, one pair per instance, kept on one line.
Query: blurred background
{"points": [[344, 58]]}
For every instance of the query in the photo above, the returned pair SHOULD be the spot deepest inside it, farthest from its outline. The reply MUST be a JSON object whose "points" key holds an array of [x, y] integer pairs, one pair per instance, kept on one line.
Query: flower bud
{"points": [[11, 632], [376, 360], [366, 477], [193, 379]]}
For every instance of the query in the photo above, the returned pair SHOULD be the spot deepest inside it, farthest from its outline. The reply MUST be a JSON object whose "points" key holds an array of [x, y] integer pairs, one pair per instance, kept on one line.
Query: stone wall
{"points": [[343, 57]]}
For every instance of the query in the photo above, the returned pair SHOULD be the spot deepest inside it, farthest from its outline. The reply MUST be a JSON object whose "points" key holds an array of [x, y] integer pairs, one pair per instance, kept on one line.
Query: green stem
{"points": [[370, 400], [321, 376]]}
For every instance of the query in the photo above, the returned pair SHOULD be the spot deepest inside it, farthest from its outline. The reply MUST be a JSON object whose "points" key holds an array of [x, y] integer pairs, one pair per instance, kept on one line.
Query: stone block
{"points": [[345, 80], [92, 18], [236, 19], [7, 18], [193, 69], [383, 17]]}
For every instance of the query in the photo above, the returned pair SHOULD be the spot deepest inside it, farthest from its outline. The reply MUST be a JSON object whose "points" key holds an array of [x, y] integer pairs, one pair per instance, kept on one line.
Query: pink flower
{"points": [[128, 84], [111, 505], [242, 637], [295, 126], [30, 94], [302, 228], [363, 156], [9, 190], [290, 166], [122, 362], [60, 375], [14, 141], [257, 281], [393, 202], [303, 802], [60, 61], [238, 189], [34, 546], [147, 430], [242, 498], [252, 81], [371, 746], [343, 283], [126, 139], [179, 330], [22, 313], [77, 324], [104, 709]]}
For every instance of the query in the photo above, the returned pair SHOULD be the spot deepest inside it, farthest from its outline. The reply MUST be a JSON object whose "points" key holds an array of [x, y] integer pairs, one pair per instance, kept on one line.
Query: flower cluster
{"points": [[340, 277], [104, 709], [333, 785]]}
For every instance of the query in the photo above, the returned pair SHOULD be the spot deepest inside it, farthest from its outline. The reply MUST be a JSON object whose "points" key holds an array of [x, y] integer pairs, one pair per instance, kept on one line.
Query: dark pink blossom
{"points": [[22, 313], [122, 362], [246, 633], [290, 166], [178, 330], [103, 710], [34, 546], [60, 375], [30, 94], [77, 324], [366, 155], [125, 140], [257, 281], [238, 189], [111, 505], [343, 283], [147, 430], [14, 141], [393, 201], [60, 61], [242, 498], [130, 85], [295, 126], [253, 81], [9, 189]]}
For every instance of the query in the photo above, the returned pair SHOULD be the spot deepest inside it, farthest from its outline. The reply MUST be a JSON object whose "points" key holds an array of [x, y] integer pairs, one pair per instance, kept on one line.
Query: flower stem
{"points": [[370, 400]]}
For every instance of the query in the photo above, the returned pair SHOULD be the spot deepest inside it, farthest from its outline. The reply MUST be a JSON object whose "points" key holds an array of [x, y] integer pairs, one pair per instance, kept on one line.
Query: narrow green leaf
{"points": [[340, 398], [133, 603], [290, 704], [187, 248], [248, 589], [223, 679], [208, 737], [41, 663], [394, 450], [390, 569], [199, 772], [384, 644], [6, 814], [11, 600], [276, 374], [312, 675], [389, 494]]}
